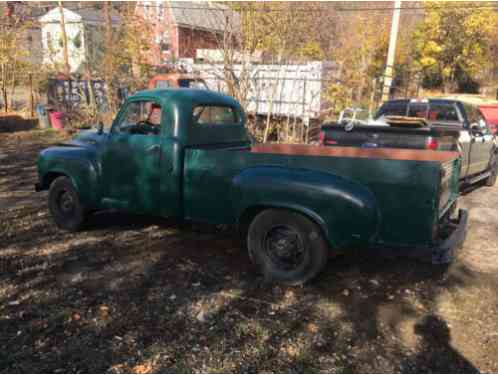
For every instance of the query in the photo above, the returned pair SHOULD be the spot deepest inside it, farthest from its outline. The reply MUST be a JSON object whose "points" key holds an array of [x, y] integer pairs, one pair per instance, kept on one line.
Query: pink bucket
{"points": [[56, 120]]}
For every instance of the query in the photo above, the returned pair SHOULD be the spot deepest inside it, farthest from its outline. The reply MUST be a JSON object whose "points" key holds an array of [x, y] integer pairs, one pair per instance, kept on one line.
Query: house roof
{"points": [[86, 15], [203, 15], [95, 15]]}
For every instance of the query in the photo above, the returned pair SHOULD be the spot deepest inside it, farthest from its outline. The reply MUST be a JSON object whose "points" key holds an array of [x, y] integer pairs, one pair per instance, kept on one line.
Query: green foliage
{"points": [[339, 97], [14, 64], [452, 43], [311, 50]]}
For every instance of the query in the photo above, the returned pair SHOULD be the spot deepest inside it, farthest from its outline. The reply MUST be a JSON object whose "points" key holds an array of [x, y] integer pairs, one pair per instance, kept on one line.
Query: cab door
{"points": [[482, 144], [131, 162]]}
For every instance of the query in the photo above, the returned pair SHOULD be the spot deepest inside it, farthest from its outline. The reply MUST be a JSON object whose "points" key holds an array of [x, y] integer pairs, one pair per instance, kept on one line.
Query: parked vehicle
{"points": [[443, 124], [490, 114], [175, 80], [488, 107], [186, 153]]}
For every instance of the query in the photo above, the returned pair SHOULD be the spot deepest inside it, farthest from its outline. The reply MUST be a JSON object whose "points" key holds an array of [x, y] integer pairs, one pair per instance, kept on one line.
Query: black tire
{"points": [[286, 246], [65, 205], [491, 180]]}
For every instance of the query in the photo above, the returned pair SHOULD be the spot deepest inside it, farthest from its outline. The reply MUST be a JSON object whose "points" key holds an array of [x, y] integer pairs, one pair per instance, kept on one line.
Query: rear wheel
{"points": [[286, 246], [65, 205], [491, 180]]}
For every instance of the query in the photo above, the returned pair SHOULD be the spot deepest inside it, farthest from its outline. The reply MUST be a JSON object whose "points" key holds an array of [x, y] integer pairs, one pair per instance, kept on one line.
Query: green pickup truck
{"points": [[186, 153]]}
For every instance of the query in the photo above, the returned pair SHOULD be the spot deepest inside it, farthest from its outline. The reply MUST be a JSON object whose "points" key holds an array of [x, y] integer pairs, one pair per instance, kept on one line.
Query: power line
{"points": [[306, 9], [405, 9]]}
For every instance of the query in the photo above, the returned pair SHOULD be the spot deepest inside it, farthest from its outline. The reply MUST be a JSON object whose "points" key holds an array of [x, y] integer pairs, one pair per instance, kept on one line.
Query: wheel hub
{"points": [[66, 202], [284, 246]]}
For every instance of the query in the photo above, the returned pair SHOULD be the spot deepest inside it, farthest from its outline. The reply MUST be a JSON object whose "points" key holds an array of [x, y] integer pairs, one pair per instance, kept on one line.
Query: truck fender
{"points": [[81, 172], [346, 211]]}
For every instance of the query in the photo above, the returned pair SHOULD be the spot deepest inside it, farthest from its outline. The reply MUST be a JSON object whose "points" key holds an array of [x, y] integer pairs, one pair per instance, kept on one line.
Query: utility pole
{"points": [[391, 53], [67, 68]]}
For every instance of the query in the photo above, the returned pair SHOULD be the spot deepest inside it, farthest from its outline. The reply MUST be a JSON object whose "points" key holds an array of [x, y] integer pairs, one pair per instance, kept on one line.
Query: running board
{"points": [[477, 178]]}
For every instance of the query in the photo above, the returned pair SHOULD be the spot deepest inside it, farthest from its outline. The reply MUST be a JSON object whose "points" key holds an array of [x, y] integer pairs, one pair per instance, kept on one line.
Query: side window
{"points": [[471, 114], [215, 115], [140, 117], [443, 112], [481, 122]]}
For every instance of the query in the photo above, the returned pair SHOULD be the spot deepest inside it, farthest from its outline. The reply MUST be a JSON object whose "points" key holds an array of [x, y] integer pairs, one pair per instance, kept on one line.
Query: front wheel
{"points": [[286, 246], [65, 205]]}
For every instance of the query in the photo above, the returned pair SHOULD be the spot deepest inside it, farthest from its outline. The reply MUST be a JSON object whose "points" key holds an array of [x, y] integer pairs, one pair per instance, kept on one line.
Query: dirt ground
{"points": [[134, 294]]}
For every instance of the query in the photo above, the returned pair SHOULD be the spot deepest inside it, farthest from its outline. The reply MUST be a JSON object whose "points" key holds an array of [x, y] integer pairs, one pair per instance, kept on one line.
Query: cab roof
{"points": [[187, 95]]}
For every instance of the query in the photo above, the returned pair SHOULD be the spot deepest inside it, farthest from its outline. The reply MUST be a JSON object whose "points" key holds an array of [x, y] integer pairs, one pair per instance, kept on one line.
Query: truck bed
{"points": [[406, 184]]}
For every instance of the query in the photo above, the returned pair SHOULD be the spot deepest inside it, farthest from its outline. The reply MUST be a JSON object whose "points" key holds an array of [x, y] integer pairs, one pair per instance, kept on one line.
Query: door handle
{"points": [[153, 149]]}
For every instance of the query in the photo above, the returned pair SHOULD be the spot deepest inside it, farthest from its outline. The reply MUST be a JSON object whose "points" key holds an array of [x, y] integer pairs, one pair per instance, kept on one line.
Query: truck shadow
{"points": [[168, 298]]}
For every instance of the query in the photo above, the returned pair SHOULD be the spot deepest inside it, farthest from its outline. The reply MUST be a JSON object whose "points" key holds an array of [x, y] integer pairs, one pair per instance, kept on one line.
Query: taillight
{"points": [[322, 138], [431, 143]]}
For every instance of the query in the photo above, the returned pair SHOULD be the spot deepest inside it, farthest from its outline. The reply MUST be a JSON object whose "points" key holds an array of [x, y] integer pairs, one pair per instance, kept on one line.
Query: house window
{"points": [[146, 9], [164, 46], [49, 40], [77, 41]]}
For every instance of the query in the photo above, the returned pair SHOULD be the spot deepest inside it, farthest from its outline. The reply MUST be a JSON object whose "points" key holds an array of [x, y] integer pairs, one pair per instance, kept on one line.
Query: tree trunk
{"points": [[3, 89], [67, 67], [5, 98], [31, 96], [13, 85], [108, 59]]}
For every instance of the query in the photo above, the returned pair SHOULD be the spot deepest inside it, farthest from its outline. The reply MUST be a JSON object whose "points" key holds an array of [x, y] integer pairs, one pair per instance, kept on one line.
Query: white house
{"points": [[84, 36]]}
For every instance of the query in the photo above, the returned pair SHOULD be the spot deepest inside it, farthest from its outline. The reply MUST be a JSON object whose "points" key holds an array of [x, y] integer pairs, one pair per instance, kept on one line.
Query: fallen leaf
{"points": [[312, 328]]}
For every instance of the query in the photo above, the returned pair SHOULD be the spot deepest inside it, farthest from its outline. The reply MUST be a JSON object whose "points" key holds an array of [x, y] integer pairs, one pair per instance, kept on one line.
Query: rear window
{"points": [[418, 110], [392, 109], [430, 111], [215, 115]]}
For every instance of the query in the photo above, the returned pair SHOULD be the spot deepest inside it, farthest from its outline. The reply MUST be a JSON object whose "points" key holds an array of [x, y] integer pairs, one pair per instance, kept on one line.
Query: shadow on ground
{"points": [[16, 123]]}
